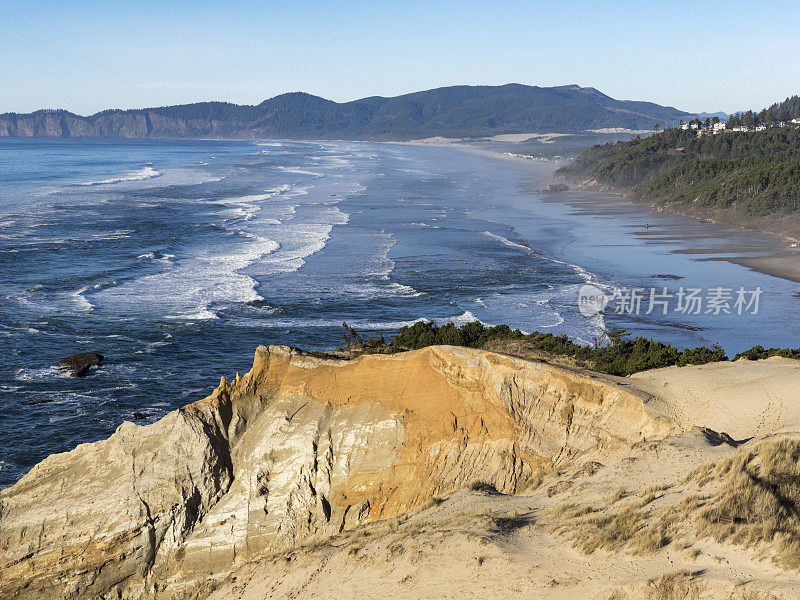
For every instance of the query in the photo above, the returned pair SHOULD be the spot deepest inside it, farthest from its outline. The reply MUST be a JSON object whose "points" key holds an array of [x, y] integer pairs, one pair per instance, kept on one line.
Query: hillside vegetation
{"points": [[749, 173]]}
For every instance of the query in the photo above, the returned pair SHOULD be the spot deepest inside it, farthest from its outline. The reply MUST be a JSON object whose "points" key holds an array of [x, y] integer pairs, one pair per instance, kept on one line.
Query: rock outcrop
{"points": [[299, 447], [78, 365]]}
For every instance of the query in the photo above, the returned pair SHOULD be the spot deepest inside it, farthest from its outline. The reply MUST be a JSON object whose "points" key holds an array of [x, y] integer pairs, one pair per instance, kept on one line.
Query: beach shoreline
{"points": [[783, 261], [779, 261]]}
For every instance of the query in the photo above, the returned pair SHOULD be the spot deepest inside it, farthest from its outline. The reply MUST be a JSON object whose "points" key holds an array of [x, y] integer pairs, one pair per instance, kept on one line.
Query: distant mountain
{"points": [[722, 116], [459, 111]]}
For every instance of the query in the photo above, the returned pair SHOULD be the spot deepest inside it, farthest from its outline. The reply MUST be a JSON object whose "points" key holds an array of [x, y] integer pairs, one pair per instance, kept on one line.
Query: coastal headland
{"points": [[308, 474]]}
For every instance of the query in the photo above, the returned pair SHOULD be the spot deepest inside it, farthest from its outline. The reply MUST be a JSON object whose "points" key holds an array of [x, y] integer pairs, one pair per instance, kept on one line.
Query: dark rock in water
{"points": [[139, 416], [79, 364]]}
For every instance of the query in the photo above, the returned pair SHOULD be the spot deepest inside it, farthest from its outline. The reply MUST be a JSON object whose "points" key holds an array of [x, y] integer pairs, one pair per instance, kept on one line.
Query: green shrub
{"points": [[619, 356], [758, 352]]}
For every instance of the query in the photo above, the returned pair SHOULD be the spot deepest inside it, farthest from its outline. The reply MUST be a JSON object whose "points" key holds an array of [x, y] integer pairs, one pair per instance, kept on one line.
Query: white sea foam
{"points": [[459, 320], [565, 297], [197, 315], [142, 174], [299, 241], [402, 290], [245, 212], [300, 171], [82, 302], [311, 323], [194, 284], [42, 374], [156, 255], [197, 285], [507, 242], [111, 235], [382, 268], [425, 225]]}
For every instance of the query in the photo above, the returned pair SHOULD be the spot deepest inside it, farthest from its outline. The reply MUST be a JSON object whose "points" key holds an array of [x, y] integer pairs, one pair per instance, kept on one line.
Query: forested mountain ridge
{"points": [[458, 111], [736, 175]]}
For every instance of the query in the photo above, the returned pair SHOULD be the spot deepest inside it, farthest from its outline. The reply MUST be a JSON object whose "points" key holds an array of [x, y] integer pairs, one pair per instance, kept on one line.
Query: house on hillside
{"points": [[795, 121], [718, 127]]}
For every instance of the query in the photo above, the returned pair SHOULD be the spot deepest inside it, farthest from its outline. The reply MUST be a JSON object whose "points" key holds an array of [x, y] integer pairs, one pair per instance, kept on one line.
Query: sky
{"points": [[88, 55]]}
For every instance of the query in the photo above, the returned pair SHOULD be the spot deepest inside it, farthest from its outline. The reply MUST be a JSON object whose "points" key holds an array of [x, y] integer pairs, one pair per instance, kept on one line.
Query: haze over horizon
{"points": [[99, 55]]}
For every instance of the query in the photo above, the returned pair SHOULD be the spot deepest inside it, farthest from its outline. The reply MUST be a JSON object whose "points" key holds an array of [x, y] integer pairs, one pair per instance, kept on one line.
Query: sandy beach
{"points": [[770, 255]]}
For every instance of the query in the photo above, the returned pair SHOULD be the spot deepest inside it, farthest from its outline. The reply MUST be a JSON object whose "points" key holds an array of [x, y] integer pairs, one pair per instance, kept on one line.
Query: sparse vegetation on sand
{"points": [[758, 500], [751, 499]]}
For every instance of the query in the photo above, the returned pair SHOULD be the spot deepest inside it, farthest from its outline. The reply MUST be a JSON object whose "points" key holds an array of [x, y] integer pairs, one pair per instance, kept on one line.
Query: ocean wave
{"points": [[200, 314], [81, 301], [425, 225], [403, 290], [315, 323], [193, 285], [244, 212], [156, 255], [567, 295], [299, 241], [109, 235], [297, 171], [507, 242], [146, 172], [458, 320]]}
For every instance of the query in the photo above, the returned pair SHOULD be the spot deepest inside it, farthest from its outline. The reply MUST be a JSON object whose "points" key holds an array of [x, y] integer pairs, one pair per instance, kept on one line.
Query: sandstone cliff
{"points": [[299, 448]]}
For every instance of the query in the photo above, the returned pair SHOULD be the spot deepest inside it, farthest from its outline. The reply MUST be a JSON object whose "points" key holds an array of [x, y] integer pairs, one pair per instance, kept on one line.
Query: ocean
{"points": [[175, 259]]}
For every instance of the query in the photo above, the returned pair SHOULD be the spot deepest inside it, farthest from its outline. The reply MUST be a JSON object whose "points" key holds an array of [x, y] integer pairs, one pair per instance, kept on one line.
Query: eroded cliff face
{"points": [[117, 124], [300, 446]]}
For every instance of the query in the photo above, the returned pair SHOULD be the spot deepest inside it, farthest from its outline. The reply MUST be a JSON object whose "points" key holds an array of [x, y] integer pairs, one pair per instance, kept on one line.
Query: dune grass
{"points": [[758, 500]]}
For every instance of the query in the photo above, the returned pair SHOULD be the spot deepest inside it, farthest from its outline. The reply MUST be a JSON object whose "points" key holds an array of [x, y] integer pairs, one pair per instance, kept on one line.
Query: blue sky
{"points": [[88, 55]]}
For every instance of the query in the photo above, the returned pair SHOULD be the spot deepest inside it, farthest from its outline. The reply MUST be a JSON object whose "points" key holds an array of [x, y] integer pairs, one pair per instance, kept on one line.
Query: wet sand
{"points": [[761, 252], [785, 265]]}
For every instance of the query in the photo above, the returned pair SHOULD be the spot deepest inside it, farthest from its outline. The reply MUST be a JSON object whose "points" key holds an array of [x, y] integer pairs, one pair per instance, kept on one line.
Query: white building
{"points": [[795, 121], [718, 127]]}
